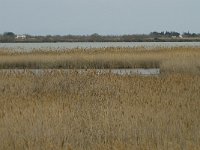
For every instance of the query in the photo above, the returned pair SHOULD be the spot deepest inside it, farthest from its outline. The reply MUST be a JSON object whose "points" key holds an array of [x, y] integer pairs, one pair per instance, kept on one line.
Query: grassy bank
{"points": [[73, 111], [180, 59]]}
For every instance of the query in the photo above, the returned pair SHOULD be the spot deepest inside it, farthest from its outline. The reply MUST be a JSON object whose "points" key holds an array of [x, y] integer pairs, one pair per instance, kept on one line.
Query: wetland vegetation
{"points": [[58, 110], [88, 111], [176, 59]]}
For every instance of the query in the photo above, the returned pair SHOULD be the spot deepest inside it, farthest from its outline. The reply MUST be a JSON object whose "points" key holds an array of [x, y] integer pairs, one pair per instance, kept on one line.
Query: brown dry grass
{"points": [[178, 59], [73, 111]]}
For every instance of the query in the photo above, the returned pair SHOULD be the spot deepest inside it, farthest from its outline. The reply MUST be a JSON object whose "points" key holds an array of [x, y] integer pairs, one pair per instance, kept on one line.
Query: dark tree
{"points": [[10, 34]]}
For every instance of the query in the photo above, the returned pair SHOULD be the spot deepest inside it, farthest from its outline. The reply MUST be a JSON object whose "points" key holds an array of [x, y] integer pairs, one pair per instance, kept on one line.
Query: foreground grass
{"points": [[73, 111], [179, 59]]}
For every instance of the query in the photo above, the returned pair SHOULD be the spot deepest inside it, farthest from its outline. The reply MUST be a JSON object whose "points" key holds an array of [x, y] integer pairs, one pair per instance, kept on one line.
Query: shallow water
{"points": [[67, 45], [138, 71]]}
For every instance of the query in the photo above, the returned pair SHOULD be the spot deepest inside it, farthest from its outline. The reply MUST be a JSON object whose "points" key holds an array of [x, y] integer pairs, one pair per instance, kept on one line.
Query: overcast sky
{"points": [[98, 16]]}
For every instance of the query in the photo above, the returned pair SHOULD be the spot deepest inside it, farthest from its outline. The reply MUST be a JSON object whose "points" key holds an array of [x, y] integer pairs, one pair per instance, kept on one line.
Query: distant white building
{"points": [[173, 37], [21, 37]]}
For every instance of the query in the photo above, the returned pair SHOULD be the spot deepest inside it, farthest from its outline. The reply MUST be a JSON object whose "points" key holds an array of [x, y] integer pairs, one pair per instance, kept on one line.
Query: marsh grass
{"points": [[89, 111], [178, 59], [59, 110]]}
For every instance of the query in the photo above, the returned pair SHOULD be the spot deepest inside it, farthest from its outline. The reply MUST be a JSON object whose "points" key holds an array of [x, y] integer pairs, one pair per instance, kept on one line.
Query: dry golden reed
{"points": [[74, 111], [177, 59]]}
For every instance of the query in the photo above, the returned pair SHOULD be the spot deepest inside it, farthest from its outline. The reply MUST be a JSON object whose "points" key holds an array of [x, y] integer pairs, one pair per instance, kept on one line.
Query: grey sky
{"points": [[98, 16]]}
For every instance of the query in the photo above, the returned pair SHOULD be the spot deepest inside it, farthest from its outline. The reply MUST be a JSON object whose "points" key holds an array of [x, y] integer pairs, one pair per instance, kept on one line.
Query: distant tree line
{"points": [[7, 37], [173, 33], [167, 36]]}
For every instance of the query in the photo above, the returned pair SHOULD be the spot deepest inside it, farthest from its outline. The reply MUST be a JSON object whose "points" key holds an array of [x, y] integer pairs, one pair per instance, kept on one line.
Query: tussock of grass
{"points": [[72, 111], [178, 59]]}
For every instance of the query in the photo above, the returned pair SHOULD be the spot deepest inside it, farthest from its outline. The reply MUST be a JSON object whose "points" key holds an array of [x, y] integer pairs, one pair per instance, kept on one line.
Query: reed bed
{"points": [[177, 59], [89, 111]]}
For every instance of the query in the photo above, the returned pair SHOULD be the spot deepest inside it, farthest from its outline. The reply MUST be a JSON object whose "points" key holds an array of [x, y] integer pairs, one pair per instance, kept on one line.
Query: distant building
{"points": [[173, 37], [180, 36], [22, 37]]}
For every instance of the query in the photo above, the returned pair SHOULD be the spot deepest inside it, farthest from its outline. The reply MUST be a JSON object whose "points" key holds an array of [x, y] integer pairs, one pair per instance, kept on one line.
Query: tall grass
{"points": [[179, 59], [72, 111]]}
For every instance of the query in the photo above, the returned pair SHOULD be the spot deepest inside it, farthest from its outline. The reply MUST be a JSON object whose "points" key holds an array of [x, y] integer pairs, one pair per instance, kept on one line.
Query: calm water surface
{"points": [[138, 71], [59, 46]]}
